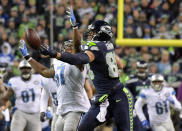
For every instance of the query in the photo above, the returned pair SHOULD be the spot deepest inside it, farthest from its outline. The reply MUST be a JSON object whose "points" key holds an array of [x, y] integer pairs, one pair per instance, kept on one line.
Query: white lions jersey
{"points": [[157, 104], [49, 89], [71, 93], [27, 93]]}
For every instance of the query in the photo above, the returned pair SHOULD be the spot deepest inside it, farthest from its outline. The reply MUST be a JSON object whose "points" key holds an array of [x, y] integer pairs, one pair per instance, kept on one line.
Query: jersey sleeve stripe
{"points": [[9, 85], [174, 93], [143, 96]]}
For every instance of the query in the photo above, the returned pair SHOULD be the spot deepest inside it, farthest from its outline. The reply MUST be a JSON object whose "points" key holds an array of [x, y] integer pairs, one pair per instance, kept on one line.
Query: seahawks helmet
{"points": [[100, 31], [25, 69], [67, 44], [142, 69], [157, 82]]}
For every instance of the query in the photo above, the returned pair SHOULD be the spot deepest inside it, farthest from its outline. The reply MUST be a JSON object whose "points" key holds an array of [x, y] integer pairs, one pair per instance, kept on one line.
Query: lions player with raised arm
{"points": [[113, 100], [71, 95], [49, 89], [71, 82], [27, 91], [158, 99]]}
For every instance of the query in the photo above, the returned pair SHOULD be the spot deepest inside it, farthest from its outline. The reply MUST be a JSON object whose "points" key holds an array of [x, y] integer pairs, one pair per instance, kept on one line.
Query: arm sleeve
{"points": [[139, 108], [177, 104], [44, 100], [75, 59]]}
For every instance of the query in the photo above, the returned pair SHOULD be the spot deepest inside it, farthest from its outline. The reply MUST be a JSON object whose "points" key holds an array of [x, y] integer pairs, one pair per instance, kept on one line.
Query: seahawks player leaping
{"points": [[158, 99], [112, 99]]}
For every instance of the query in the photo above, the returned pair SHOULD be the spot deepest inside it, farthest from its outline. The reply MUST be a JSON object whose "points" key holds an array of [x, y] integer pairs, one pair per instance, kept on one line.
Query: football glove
{"points": [[23, 48], [45, 115], [145, 124], [71, 16], [42, 116], [45, 50], [48, 115]]}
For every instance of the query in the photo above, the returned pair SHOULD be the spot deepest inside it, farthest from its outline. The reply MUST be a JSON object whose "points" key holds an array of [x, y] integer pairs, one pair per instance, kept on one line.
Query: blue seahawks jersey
{"points": [[172, 77], [104, 66], [135, 85]]}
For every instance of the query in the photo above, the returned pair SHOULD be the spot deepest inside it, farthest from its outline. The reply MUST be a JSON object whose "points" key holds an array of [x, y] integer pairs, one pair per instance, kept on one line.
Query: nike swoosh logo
{"points": [[118, 100]]}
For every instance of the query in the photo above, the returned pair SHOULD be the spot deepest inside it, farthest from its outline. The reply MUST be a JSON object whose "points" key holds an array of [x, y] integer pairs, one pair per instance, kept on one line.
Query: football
{"points": [[32, 39]]}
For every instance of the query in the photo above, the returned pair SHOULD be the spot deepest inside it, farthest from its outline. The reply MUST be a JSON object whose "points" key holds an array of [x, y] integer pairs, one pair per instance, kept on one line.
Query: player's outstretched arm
{"points": [[119, 62], [138, 107], [73, 59], [88, 89], [41, 69], [174, 102], [76, 33]]}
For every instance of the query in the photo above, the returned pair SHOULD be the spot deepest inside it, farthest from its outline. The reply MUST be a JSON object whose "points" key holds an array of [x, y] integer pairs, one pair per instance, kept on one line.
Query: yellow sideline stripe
{"points": [[139, 42]]}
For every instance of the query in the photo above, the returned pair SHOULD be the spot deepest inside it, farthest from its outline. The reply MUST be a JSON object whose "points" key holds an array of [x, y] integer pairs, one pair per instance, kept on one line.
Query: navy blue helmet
{"points": [[100, 31]]}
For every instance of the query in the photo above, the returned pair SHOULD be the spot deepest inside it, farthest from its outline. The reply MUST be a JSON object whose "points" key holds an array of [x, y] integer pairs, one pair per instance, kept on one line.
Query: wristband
{"points": [[28, 58], [75, 26]]}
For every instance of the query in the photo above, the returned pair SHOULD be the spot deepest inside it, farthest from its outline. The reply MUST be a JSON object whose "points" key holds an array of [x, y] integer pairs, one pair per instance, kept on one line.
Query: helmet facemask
{"points": [[99, 31], [25, 73], [157, 85], [25, 69], [142, 72], [68, 46], [157, 81]]}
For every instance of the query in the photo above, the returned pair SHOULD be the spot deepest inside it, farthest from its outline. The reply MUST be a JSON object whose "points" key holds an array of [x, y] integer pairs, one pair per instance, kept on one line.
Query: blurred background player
{"points": [[49, 90], [27, 89], [137, 82], [4, 114], [159, 99]]}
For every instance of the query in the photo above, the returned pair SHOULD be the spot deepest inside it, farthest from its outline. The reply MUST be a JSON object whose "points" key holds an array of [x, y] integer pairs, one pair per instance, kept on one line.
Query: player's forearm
{"points": [[44, 100], [88, 89], [119, 62], [74, 59], [41, 69], [177, 104], [6, 96], [76, 40], [139, 111]]}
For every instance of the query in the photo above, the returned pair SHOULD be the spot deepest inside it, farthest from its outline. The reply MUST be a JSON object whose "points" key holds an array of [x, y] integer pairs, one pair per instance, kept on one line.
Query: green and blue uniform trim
{"points": [[130, 103]]}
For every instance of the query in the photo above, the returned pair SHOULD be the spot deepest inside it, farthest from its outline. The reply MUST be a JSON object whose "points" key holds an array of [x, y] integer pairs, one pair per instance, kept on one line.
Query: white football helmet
{"points": [[157, 82], [25, 74]]}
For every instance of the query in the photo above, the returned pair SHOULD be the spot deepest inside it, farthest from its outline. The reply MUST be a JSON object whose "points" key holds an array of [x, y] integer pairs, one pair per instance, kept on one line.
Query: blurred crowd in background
{"points": [[148, 19]]}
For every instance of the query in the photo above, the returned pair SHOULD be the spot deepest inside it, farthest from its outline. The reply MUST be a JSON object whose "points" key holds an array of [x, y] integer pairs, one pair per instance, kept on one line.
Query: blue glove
{"points": [[48, 115], [145, 124], [71, 16], [23, 48], [170, 99]]}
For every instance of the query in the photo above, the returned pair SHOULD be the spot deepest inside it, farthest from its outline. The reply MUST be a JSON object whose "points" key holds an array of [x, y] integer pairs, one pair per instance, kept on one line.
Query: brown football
{"points": [[32, 38]]}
